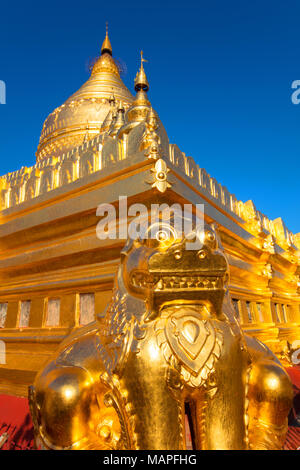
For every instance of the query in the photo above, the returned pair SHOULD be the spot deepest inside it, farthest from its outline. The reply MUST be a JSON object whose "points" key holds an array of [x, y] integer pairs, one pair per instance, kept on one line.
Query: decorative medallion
{"points": [[160, 173], [193, 342]]}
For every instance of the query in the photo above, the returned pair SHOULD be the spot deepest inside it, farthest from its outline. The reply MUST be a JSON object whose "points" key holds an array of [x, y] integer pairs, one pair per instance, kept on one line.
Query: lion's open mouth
{"points": [[166, 281]]}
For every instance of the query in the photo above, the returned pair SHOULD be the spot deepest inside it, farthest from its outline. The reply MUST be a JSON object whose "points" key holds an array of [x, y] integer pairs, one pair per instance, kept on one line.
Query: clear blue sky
{"points": [[220, 76]]}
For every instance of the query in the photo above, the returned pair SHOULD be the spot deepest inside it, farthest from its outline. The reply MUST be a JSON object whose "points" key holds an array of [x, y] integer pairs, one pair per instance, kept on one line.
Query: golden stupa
{"points": [[86, 110]]}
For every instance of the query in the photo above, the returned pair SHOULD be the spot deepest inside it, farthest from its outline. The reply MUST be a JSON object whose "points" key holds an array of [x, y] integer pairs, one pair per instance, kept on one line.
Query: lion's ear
{"points": [[215, 228], [127, 247], [137, 242]]}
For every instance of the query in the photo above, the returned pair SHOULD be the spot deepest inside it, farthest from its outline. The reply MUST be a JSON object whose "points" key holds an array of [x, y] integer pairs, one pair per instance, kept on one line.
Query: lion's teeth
{"points": [[178, 282]]}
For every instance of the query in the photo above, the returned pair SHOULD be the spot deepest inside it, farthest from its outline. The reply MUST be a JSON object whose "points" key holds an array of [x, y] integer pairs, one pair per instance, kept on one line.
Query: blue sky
{"points": [[220, 76]]}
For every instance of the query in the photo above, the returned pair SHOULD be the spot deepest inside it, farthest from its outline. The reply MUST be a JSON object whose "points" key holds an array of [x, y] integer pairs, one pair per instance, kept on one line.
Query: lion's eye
{"points": [[202, 254], [178, 254], [211, 236], [162, 236]]}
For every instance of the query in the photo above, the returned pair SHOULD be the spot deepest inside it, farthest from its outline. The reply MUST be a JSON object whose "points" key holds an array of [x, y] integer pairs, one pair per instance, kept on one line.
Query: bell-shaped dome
{"points": [[85, 111]]}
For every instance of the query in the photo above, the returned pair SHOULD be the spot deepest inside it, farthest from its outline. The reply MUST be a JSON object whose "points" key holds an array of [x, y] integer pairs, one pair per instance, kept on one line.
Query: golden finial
{"points": [[120, 116], [152, 119], [86, 137], [141, 82], [106, 46], [112, 99], [142, 59]]}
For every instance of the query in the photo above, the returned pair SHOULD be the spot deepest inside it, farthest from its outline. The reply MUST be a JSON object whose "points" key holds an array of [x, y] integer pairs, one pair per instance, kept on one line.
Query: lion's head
{"points": [[161, 268]]}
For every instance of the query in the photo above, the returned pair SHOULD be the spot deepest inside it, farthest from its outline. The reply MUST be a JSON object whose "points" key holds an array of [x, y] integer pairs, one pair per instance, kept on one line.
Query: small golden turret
{"points": [[112, 100], [141, 105], [86, 136], [119, 119], [106, 46], [120, 115], [152, 119], [141, 82]]}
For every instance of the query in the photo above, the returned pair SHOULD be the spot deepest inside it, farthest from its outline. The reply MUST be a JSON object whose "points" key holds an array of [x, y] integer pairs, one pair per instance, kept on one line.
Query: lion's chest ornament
{"points": [[195, 343]]}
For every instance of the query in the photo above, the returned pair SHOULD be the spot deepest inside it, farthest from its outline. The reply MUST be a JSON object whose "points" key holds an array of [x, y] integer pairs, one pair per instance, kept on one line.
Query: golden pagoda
{"points": [[57, 275], [86, 110]]}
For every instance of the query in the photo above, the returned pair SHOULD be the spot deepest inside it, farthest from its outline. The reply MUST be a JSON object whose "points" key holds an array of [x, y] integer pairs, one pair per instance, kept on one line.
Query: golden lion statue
{"points": [[169, 344]]}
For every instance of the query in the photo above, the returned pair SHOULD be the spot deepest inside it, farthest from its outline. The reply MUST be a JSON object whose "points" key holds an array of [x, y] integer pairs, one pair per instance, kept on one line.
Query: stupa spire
{"points": [[106, 46], [141, 105], [141, 82]]}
